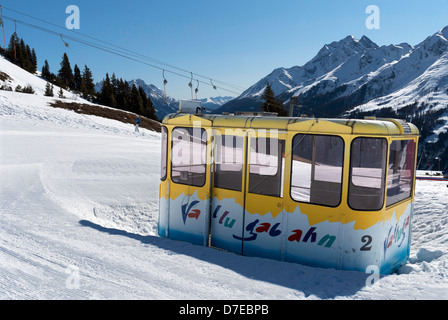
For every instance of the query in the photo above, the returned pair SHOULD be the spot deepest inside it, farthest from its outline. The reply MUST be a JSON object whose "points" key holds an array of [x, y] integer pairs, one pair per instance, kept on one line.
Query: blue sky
{"points": [[238, 42]]}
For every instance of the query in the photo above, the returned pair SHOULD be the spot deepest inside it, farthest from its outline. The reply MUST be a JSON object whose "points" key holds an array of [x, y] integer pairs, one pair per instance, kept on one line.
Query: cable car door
{"points": [[189, 190], [263, 216], [227, 209]]}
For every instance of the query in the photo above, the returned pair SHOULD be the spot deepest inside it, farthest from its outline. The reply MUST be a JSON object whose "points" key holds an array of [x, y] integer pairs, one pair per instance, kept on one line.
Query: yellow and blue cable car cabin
{"points": [[330, 193]]}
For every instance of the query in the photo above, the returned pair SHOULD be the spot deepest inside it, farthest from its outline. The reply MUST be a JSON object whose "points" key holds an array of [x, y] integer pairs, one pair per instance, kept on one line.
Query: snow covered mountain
{"points": [[354, 73], [353, 78], [213, 103]]}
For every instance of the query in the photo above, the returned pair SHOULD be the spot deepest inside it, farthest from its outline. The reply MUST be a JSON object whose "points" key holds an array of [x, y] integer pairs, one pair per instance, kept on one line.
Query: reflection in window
{"points": [[266, 166], [401, 171], [229, 162], [317, 163], [367, 173], [188, 157]]}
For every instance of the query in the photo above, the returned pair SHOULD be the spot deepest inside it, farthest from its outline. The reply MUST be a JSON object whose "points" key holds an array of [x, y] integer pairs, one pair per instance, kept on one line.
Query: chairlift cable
{"points": [[141, 56], [109, 50]]}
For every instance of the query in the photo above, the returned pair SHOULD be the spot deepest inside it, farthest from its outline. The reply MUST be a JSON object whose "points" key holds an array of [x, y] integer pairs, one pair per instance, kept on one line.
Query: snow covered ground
{"points": [[78, 220]]}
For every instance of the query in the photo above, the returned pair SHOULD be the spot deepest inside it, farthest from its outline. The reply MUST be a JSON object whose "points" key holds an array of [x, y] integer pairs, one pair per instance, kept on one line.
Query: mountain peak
{"points": [[349, 43], [436, 44], [367, 42], [444, 32], [364, 42], [340, 50], [349, 39]]}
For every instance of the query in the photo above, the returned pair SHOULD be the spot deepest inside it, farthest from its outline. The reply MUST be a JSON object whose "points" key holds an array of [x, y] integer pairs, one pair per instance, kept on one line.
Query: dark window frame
{"points": [[280, 173], [342, 170], [412, 178], [205, 151], [383, 178], [234, 147]]}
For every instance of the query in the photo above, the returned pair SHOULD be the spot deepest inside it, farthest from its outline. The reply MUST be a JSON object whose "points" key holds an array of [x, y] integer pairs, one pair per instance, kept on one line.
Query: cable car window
{"points": [[317, 163], [367, 174], [164, 153], [188, 156], [401, 171], [229, 162], [266, 166]]}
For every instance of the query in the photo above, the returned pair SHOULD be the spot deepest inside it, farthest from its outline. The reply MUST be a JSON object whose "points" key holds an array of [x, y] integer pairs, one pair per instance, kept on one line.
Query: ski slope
{"points": [[78, 220]]}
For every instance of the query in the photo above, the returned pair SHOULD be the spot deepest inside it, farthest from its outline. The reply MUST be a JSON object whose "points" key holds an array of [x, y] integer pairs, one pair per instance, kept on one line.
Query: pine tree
{"points": [[11, 51], [29, 60], [34, 59], [271, 104], [21, 54], [28, 89], [46, 74], [136, 101], [49, 90], [123, 94], [114, 81], [106, 96], [87, 85], [77, 78], [61, 93], [269, 97], [65, 74]]}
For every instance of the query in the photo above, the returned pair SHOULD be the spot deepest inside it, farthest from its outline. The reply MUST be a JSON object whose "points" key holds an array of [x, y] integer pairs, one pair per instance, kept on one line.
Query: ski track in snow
{"points": [[78, 220]]}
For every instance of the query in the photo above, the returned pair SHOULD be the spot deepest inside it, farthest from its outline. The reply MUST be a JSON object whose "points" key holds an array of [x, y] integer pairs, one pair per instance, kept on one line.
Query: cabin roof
{"points": [[389, 127]]}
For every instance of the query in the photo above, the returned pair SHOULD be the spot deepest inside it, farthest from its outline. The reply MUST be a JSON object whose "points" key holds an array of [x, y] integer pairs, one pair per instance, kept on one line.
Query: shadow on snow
{"points": [[311, 281]]}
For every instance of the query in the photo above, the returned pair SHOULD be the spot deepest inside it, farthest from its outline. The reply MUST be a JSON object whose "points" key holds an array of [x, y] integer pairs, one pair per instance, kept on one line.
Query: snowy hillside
{"points": [[12, 76], [78, 219]]}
